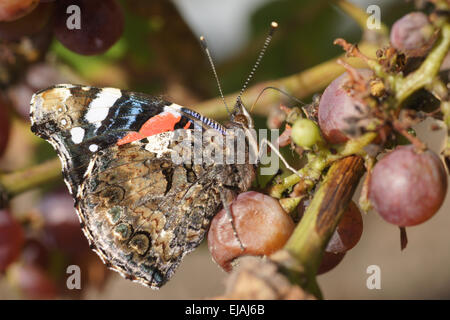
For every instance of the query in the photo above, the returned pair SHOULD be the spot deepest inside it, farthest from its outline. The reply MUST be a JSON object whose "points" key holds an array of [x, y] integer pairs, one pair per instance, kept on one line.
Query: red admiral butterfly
{"points": [[140, 211]]}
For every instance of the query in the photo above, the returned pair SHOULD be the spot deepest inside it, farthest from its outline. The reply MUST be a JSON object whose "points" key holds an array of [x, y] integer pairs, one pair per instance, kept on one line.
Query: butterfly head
{"points": [[241, 116]]}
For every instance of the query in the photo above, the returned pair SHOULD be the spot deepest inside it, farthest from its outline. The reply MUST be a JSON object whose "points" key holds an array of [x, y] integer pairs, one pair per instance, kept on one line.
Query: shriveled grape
{"points": [[408, 187], [348, 231], [261, 224]]}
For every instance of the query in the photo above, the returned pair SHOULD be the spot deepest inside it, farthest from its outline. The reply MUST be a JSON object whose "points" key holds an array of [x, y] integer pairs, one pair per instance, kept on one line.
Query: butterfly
{"points": [[141, 211]]}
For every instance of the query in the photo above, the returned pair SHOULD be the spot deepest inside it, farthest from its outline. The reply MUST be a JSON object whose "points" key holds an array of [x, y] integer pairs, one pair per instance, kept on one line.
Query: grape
{"points": [[101, 25], [329, 261], [408, 187], [42, 75], [4, 124], [30, 24], [61, 224], [38, 76], [11, 239], [411, 32], [35, 253], [261, 224], [337, 106], [33, 282], [14, 9], [305, 133], [348, 231], [20, 95]]}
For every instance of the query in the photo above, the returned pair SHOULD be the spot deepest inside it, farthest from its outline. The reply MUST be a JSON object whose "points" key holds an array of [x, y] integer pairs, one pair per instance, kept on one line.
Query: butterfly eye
{"points": [[65, 121]]}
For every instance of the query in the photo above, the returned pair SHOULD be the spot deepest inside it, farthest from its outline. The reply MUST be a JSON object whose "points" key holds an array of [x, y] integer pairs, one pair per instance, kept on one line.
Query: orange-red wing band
{"points": [[155, 125]]}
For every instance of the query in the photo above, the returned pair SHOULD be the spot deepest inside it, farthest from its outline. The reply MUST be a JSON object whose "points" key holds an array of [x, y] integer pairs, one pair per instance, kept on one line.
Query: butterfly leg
{"points": [[226, 196]]}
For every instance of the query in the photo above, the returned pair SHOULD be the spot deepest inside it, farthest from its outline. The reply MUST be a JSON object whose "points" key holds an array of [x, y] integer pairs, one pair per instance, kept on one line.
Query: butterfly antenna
{"points": [[208, 54], [273, 27], [280, 91]]}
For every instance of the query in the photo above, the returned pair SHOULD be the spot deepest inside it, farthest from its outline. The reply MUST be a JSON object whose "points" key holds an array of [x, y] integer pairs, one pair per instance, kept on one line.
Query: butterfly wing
{"points": [[80, 121]]}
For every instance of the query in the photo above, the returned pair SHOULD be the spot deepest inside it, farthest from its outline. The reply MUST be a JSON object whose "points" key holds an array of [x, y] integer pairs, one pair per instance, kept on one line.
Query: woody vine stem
{"points": [[300, 258]]}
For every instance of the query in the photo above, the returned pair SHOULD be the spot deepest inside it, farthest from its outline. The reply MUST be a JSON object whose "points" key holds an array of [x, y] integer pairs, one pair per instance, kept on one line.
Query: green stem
{"points": [[20, 181], [306, 245], [312, 171]]}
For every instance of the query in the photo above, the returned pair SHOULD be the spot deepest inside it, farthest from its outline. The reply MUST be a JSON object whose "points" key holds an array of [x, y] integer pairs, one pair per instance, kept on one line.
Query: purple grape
{"points": [[101, 25], [33, 282], [11, 239], [411, 32], [348, 231], [61, 224], [337, 106], [408, 187], [329, 261], [4, 124]]}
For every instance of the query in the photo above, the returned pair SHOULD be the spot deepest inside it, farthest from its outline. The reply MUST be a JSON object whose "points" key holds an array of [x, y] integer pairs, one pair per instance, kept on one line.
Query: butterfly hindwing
{"points": [[143, 213]]}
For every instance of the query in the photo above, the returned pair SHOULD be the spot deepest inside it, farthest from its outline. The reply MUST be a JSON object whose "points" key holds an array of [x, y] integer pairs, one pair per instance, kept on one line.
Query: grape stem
{"points": [[309, 175], [304, 250]]}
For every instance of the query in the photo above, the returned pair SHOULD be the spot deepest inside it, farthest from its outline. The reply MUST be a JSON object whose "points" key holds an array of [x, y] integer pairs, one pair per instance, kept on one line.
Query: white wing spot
{"points": [[175, 106], [77, 134], [172, 109], [99, 107], [93, 147], [159, 143]]}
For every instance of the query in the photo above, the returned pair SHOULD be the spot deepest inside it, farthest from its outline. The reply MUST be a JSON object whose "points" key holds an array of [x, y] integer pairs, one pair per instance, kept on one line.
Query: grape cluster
{"points": [[35, 258], [406, 187], [27, 28]]}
